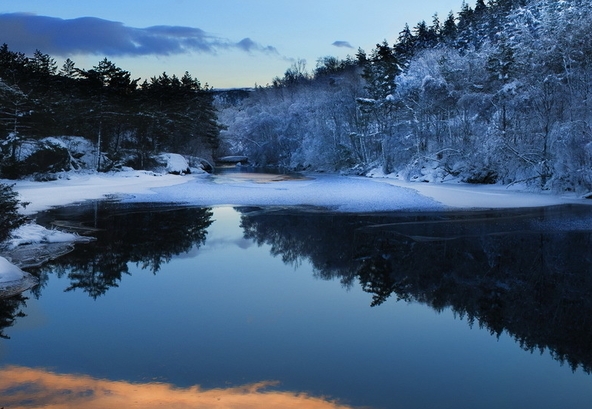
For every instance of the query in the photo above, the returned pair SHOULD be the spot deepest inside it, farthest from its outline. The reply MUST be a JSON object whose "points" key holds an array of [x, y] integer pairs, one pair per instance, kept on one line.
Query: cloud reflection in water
{"points": [[22, 387]]}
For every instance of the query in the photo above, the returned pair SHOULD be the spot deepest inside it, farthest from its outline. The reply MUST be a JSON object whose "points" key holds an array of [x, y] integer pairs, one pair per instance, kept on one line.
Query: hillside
{"points": [[499, 93]]}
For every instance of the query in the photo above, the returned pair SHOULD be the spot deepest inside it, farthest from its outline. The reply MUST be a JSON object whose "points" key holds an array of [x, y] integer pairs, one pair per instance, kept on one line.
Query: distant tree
{"points": [[405, 45], [480, 8], [380, 71], [68, 70], [435, 30], [42, 65], [15, 102], [361, 57], [177, 114], [327, 65], [13, 65], [465, 26], [294, 75], [423, 37], [107, 95], [380, 74], [449, 30]]}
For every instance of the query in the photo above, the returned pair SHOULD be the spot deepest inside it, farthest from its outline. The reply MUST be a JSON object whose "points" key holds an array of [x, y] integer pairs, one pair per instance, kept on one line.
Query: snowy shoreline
{"points": [[334, 192]]}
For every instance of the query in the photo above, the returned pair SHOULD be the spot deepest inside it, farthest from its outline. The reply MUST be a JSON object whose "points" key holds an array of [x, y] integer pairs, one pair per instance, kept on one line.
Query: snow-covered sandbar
{"points": [[341, 193], [74, 188]]}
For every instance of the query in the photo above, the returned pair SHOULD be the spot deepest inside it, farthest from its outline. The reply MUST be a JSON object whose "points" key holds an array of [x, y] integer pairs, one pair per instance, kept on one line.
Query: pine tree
{"points": [[449, 29], [380, 71], [405, 45], [10, 218], [422, 35], [68, 69]]}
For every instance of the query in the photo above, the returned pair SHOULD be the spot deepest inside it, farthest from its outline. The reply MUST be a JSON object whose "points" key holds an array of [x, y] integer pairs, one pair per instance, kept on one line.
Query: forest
{"points": [[123, 121], [496, 93]]}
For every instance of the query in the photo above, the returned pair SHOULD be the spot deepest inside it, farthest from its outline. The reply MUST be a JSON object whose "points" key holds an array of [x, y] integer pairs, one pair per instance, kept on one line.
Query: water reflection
{"points": [[10, 309], [22, 387], [503, 271], [147, 236]]}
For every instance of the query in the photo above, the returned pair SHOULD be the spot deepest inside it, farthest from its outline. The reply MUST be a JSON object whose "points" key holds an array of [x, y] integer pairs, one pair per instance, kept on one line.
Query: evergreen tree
{"points": [[435, 30], [423, 37], [68, 69], [405, 45], [10, 218], [480, 8], [449, 30], [465, 26], [380, 71]]}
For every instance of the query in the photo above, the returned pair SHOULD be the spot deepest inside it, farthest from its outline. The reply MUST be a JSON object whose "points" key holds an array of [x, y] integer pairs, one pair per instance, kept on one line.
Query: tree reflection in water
{"points": [[147, 236], [500, 270], [11, 308]]}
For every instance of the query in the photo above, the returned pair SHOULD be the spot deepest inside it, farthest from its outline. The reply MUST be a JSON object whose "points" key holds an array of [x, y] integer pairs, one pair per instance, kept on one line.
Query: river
{"points": [[299, 307]]}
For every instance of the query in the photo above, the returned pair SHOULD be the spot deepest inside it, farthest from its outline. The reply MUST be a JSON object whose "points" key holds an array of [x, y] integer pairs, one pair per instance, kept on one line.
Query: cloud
{"points": [[90, 35], [342, 44], [246, 44], [40, 388]]}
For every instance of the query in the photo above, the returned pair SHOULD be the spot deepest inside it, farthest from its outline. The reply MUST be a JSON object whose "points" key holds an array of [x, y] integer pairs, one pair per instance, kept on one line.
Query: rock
{"points": [[48, 155], [13, 280], [174, 163]]}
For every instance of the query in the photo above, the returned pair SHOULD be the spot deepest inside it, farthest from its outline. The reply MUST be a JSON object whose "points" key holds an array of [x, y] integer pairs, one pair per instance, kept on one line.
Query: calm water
{"points": [[296, 308]]}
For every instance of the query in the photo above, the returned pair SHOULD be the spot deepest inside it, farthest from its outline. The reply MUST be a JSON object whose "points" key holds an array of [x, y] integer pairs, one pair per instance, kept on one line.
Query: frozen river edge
{"points": [[338, 193], [334, 192]]}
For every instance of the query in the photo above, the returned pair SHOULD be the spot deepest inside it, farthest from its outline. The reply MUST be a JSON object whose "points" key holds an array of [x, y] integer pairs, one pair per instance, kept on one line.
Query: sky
{"points": [[224, 43]]}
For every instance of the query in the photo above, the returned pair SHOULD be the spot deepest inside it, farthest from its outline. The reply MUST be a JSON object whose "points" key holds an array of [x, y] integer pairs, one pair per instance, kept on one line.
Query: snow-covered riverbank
{"points": [[340, 193], [73, 187]]}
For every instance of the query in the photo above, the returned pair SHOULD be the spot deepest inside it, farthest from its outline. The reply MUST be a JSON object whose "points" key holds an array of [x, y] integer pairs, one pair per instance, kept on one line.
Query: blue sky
{"points": [[226, 43]]}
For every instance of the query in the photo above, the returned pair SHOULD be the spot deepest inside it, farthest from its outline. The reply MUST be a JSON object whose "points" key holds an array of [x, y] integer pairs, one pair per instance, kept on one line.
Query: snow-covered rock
{"points": [[32, 233], [32, 245], [52, 155], [9, 272], [175, 163], [13, 280]]}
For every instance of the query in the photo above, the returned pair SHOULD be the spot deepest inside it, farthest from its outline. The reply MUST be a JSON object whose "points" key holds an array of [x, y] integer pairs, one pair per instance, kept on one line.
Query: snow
{"points": [[9, 272], [175, 163], [342, 193], [455, 194], [32, 233], [346, 194], [465, 196], [13, 280], [75, 187]]}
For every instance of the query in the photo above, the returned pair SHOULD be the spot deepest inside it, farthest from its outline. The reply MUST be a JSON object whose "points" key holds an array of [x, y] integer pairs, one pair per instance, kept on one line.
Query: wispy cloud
{"points": [[89, 35], [342, 44]]}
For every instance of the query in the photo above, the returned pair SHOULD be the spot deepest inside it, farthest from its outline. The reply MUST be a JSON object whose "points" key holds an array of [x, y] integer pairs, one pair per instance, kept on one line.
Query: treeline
{"points": [[499, 92], [126, 121], [517, 279]]}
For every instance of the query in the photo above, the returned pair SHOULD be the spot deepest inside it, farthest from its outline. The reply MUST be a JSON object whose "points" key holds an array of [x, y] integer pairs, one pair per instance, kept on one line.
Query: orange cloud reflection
{"points": [[26, 388]]}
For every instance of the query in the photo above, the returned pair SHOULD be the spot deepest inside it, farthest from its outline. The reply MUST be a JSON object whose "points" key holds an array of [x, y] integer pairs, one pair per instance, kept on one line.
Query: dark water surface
{"points": [[254, 307]]}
